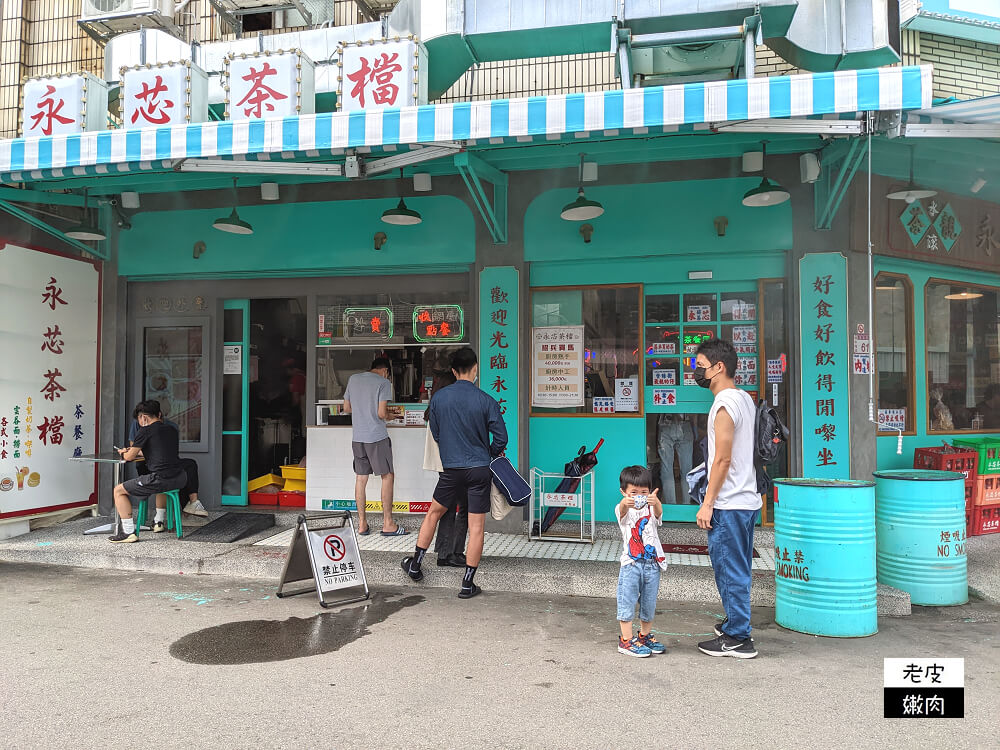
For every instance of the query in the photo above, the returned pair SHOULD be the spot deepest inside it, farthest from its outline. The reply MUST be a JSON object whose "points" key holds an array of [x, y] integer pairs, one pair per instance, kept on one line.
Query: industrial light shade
{"points": [[964, 295], [911, 192], [767, 193], [401, 215], [233, 224], [582, 209], [85, 231]]}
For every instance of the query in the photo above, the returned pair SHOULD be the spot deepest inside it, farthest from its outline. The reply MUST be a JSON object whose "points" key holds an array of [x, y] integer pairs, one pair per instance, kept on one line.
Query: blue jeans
{"points": [[638, 582], [674, 436], [730, 547]]}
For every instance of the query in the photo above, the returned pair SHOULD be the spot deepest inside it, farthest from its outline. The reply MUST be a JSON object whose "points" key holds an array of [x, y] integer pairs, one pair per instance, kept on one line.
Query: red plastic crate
{"points": [[988, 489], [948, 458], [970, 493], [985, 520], [292, 499], [263, 498]]}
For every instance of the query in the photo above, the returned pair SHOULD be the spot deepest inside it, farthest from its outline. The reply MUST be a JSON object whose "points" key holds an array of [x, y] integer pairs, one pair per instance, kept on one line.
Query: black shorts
{"points": [[454, 485], [153, 484]]}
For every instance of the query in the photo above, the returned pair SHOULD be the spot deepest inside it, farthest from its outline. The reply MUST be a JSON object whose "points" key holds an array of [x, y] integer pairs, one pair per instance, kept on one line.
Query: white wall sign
{"points": [[557, 366], [744, 334], [48, 386], [626, 394], [380, 75], [232, 359], [604, 404], [664, 377], [665, 347], [62, 105], [562, 499], [891, 419], [270, 84], [664, 397]]}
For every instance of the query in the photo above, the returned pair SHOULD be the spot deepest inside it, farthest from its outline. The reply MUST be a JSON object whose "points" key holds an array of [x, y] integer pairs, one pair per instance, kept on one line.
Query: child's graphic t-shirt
{"points": [[639, 532]]}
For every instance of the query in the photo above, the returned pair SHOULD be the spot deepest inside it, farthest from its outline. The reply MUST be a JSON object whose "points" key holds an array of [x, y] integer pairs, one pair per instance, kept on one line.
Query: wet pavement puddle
{"points": [[259, 641]]}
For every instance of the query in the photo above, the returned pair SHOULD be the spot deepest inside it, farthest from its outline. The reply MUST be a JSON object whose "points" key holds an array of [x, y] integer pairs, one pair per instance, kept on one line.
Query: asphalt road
{"points": [[107, 659]]}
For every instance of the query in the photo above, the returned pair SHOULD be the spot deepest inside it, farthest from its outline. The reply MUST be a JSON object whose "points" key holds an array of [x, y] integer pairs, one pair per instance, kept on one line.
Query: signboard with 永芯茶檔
{"points": [[164, 94], [382, 73], [48, 385], [557, 366], [62, 105], [270, 84]]}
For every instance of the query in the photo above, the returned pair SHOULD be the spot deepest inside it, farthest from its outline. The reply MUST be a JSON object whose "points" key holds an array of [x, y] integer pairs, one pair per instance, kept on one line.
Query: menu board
{"points": [[557, 366]]}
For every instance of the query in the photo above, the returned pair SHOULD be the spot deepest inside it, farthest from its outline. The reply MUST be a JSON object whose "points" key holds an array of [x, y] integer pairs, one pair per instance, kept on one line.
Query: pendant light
{"points": [[401, 215], [911, 192], [86, 230], [233, 223], [582, 209], [767, 193]]}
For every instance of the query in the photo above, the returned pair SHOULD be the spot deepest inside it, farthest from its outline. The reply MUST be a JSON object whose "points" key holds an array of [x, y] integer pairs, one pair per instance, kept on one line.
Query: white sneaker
{"points": [[195, 508]]}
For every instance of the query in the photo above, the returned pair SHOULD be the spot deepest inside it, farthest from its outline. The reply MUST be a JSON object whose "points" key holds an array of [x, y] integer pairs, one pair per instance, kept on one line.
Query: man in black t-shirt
{"points": [[158, 444]]}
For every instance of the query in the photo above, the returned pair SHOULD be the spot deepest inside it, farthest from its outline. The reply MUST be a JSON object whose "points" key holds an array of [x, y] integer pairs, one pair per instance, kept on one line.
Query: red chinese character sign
{"points": [[63, 105], [499, 363], [381, 75], [438, 323], [169, 94], [48, 393], [824, 363], [368, 324], [270, 84]]}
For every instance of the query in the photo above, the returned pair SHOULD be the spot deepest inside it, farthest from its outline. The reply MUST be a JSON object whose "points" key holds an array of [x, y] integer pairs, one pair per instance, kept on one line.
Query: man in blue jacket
{"points": [[462, 419]]}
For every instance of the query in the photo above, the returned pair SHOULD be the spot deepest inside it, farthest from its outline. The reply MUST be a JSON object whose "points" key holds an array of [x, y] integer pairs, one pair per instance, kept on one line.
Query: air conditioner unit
{"points": [[119, 12]]}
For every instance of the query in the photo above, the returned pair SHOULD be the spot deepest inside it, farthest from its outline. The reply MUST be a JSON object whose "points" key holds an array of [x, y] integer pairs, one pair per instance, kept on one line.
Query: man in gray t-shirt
{"points": [[367, 399]]}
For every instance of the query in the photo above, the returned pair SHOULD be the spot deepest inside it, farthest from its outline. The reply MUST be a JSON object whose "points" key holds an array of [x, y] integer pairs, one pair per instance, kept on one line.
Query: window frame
{"points": [[911, 365], [934, 280], [640, 364]]}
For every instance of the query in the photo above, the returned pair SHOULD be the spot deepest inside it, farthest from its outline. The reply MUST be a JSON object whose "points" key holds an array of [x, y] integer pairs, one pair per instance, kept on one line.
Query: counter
{"points": [[330, 471]]}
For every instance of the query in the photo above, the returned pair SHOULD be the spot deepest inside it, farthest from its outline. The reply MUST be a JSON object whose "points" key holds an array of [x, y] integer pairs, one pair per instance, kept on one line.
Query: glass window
{"points": [[663, 308], [893, 353], [611, 339], [963, 361], [172, 366]]}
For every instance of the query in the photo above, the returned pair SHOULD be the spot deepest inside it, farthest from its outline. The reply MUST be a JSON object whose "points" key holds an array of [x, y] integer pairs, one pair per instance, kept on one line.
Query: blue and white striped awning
{"points": [[665, 109]]}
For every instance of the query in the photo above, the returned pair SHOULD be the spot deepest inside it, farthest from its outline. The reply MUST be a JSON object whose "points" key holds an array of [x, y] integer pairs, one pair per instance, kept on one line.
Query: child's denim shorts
{"points": [[638, 583]]}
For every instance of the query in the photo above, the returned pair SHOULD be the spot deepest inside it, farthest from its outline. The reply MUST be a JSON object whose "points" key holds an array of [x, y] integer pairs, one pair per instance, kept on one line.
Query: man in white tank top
{"points": [[731, 503]]}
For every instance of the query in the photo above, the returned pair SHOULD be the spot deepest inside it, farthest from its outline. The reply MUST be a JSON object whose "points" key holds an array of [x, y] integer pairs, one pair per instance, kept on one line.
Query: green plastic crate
{"points": [[988, 449]]}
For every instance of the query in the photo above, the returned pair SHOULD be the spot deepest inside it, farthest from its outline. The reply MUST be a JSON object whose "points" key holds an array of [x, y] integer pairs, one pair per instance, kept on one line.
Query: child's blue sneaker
{"points": [[651, 643], [633, 647]]}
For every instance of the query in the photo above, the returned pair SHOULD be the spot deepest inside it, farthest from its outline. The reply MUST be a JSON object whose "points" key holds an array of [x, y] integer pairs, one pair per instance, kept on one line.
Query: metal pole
{"points": [[692, 36]]}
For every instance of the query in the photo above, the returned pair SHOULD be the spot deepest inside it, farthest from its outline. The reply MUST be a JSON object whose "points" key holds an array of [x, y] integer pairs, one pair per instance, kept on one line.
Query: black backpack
{"points": [[769, 433]]}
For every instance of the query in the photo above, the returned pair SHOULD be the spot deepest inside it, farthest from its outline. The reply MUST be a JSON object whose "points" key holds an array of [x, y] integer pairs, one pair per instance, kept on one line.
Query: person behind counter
{"points": [[158, 444], [449, 544], [366, 399], [462, 419]]}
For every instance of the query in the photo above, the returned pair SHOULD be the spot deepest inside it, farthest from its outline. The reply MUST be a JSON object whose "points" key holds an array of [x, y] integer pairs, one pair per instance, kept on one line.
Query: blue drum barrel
{"points": [[920, 525], [824, 549]]}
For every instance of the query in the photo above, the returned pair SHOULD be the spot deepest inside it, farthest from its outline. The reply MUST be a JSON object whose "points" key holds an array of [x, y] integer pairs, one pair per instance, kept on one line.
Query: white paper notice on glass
{"points": [[232, 360], [626, 394], [557, 366]]}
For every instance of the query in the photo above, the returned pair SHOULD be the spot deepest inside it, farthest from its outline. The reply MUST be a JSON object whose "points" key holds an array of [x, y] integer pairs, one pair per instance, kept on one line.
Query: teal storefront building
{"points": [[675, 257]]}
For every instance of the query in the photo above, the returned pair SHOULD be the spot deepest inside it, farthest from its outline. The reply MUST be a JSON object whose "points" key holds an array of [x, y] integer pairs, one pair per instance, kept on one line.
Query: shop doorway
{"points": [[264, 390], [677, 319]]}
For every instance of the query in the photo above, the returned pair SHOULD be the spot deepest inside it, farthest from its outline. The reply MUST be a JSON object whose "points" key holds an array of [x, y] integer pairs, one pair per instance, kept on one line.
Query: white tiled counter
{"points": [[330, 471]]}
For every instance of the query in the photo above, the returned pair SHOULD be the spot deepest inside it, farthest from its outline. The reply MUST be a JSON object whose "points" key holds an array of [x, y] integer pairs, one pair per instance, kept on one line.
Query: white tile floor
{"points": [[512, 545]]}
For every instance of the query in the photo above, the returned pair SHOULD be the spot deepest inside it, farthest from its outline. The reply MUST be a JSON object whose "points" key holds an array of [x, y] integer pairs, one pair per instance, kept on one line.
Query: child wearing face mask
{"points": [[639, 515]]}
